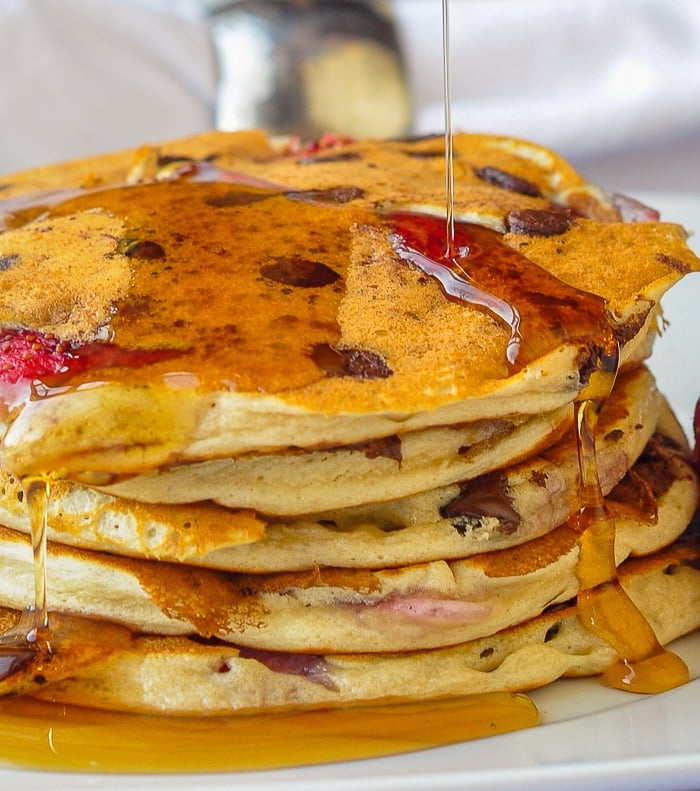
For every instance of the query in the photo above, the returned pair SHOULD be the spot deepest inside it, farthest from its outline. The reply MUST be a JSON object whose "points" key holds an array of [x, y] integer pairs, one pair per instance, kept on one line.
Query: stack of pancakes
{"points": [[305, 450]]}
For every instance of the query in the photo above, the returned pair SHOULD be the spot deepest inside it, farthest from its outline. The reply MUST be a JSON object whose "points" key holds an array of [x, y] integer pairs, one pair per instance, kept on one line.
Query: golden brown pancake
{"points": [[509, 506], [341, 343], [419, 606], [117, 670], [281, 416]]}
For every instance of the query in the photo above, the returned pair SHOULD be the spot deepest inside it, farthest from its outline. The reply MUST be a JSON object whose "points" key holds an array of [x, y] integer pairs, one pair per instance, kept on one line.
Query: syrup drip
{"points": [[29, 640], [644, 666], [538, 310]]}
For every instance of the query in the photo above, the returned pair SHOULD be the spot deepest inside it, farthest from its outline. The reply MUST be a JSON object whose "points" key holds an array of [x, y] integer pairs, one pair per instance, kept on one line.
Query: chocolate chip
{"points": [[8, 261], [627, 330], [364, 364], [386, 447], [237, 197], [359, 363], [141, 249], [425, 154], [299, 272], [331, 195], [539, 222], [343, 156], [483, 496], [539, 478], [673, 262], [615, 435], [416, 138], [508, 181]]}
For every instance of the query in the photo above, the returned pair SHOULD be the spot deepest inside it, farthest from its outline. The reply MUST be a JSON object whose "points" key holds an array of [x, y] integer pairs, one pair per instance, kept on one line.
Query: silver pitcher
{"points": [[309, 67]]}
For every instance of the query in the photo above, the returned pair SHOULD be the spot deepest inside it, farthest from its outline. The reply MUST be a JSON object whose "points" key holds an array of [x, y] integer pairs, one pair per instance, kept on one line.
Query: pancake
{"points": [[117, 670], [302, 351], [508, 507], [281, 422], [353, 610]]}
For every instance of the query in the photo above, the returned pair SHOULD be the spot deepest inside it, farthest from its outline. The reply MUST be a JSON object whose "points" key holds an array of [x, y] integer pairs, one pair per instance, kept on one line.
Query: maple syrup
{"points": [[450, 249], [29, 641], [643, 666], [539, 310], [40, 735]]}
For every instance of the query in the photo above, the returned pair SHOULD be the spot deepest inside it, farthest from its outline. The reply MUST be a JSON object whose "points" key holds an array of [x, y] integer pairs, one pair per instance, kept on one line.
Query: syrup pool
{"points": [[41, 735]]}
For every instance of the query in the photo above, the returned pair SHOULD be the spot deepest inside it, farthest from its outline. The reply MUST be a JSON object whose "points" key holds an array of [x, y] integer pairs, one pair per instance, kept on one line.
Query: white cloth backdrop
{"points": [[613, 84]]}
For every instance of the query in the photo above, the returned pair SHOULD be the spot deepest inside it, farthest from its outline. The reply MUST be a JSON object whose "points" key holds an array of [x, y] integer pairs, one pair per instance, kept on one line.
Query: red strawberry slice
{"points": [[696, 431], [29, 355]]}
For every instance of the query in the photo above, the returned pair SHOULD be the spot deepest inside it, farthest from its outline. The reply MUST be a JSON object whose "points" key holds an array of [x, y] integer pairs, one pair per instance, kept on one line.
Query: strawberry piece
{"points": [[29, 355], [696, 431], [327, 140]]}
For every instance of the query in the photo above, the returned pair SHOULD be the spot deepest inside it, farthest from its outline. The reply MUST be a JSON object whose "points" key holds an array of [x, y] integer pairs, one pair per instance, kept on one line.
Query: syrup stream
{"points": [[450, 252]]}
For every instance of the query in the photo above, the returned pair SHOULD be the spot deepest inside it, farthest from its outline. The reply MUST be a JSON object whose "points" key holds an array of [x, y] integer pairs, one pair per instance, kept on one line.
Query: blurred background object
{"points": [[614, 86], [306, 67], [85, 76]]}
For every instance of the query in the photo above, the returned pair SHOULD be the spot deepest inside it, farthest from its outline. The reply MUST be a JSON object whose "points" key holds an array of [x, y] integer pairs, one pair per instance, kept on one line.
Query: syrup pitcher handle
{"points": [[309, 67]]}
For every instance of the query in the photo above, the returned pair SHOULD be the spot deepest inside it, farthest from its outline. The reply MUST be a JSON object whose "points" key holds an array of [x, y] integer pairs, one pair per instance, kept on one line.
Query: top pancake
{"points": [[247, 299]]}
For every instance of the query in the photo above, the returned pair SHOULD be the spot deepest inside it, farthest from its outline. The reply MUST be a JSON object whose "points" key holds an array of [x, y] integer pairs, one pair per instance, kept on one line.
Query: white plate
{"points": [[592, 737]]}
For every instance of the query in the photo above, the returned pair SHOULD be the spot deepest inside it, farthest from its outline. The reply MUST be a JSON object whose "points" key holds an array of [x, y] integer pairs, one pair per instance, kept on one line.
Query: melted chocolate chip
{"points": [[342, 156], [238, 197], [539, 222], [615, 435], [484, 496], [359, 363], [416, 138], [629, 329], [539, 478], [674, 263], [364, 364], [299, 272], [143, 250], [331, 195], [508, 181], [8, 261], [387, 447], [589, 360], [425, 154]]}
